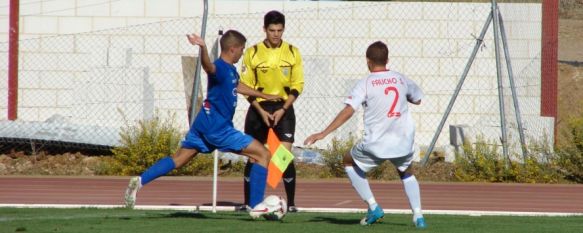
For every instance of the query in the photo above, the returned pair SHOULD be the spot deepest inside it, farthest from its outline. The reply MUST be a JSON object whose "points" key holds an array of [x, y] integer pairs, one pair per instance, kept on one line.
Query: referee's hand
{"points": [[278, 115], [267, 118]]}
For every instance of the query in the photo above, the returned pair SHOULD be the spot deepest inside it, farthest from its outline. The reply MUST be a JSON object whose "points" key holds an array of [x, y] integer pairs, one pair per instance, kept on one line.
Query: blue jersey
{"points": [[218, 108], [213, 126]]}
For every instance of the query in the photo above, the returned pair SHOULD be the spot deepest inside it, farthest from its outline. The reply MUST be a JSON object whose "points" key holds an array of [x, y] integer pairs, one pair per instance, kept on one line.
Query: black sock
{"points": [[246, 182], [289, 181]]}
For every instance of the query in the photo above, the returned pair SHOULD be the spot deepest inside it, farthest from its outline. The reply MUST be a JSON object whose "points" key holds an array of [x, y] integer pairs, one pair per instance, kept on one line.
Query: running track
{"points": [[464, 198]]}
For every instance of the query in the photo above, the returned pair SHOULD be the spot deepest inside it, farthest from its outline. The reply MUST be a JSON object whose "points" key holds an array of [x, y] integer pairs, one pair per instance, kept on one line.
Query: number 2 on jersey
{"points": [[392, 112]]}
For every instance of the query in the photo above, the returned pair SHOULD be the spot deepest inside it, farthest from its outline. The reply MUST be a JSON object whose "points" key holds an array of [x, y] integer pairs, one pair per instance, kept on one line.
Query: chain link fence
{"points": [[82, 88]]}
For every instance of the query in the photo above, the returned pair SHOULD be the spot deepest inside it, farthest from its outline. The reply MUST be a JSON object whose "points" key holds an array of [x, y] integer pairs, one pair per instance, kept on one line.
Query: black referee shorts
{"points": [[285, 129]]}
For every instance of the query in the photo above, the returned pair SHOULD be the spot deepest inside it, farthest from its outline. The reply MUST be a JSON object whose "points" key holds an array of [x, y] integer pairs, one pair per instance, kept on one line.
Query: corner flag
{"points": [[280, 159]]}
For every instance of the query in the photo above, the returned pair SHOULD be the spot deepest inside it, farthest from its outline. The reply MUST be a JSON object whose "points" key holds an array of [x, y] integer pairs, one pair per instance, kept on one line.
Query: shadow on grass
{"points": [[335, 220], [338, 221], [239, 216], [182, 214]]}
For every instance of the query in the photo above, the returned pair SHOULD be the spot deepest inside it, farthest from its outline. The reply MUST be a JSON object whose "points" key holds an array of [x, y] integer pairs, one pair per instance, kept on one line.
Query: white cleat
{"points": [[259, 210], [131, 191]]}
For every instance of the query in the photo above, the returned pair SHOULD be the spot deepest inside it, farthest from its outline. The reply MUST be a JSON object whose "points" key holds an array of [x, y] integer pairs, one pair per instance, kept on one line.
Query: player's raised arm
{"points": [[340, 119], [206, 63]]}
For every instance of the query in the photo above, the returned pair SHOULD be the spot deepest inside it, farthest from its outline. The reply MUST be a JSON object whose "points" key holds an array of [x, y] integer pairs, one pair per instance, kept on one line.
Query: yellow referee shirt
{"points": [[276, 71]]}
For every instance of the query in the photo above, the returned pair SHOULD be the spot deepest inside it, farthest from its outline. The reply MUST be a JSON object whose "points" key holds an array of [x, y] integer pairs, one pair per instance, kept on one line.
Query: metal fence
{"points": [[82, 88]]}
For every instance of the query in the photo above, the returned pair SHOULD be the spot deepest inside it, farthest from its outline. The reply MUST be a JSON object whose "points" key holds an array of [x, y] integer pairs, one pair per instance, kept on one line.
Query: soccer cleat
{"points": [[243, 208], [292, 209], [373, 216], [259, 210], [420, 223], [131, 191]]}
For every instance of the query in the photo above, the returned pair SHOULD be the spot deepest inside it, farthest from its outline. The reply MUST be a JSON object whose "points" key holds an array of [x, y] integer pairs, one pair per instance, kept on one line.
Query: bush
{"points": [[334, 166], [479, 163], [569, 157], [145, 143], [149, 141], [482, 162]]}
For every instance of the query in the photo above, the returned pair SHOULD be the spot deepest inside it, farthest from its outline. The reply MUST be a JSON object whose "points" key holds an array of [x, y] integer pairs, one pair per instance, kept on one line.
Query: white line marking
{"points": [[342, 202], [313, 210]]}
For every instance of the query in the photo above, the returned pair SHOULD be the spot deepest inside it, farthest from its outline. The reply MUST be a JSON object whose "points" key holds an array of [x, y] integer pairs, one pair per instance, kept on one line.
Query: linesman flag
{"points": [[280, 159]]}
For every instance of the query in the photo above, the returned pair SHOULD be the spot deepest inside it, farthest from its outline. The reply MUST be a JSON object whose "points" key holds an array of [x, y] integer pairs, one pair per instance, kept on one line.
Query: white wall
{"points": [[429, 42]]}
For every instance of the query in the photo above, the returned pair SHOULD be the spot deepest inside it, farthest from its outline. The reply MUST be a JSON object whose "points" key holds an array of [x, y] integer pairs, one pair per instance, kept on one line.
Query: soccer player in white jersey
{"points": [[389, 131]]}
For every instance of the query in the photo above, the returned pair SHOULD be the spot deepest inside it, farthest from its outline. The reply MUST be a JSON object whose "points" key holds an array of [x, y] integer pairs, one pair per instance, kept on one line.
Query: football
{"points": [[272, 208]]}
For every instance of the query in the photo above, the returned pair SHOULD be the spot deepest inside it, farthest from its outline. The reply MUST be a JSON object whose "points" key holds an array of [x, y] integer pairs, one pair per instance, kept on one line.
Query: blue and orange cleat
{"points": [[420, 223], [373, 216]]}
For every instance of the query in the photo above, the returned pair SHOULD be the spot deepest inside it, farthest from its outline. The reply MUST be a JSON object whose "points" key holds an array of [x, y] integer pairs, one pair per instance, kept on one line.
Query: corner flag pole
{"points": [[216, 51]]}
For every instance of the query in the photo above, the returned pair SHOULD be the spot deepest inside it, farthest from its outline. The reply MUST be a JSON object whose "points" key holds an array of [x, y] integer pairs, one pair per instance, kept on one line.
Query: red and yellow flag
{"points": [[281, 157]]}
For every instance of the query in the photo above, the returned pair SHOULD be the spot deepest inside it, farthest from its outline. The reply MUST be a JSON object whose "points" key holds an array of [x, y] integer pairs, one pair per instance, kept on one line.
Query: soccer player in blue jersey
{"points": [[213, 126]]}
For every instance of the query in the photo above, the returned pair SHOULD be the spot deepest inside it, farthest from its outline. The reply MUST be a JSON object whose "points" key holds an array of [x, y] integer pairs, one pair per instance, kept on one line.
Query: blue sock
{"points": [[258, 178], [160, 168]]}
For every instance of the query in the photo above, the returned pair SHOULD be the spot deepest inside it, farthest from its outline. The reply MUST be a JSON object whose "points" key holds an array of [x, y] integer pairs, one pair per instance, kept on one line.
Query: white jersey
{"points": [[389, 129]]}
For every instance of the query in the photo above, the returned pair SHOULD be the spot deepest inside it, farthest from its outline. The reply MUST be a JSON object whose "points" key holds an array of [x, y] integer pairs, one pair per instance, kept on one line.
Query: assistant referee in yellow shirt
{"points": [[273, 67]]}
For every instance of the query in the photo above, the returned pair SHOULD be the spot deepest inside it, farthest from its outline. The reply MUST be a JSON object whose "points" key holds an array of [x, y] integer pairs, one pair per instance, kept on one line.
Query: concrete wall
{"points": [[65, 41]]}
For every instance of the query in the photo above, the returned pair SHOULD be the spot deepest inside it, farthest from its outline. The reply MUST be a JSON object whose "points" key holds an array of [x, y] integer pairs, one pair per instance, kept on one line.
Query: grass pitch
{"points": [[145, 221]]}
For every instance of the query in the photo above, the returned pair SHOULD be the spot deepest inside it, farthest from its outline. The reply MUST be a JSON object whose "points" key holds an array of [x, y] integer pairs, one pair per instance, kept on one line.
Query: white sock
{"points": [[372, 203], [360, 184], [411, 187]]}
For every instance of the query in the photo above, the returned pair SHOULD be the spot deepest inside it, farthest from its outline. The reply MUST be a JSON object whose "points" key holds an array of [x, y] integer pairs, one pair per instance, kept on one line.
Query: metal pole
{"points": [[216, 153], [513, 89], [215, 177], [458, 88], [195, 86], [503, 138], [13, 60]]}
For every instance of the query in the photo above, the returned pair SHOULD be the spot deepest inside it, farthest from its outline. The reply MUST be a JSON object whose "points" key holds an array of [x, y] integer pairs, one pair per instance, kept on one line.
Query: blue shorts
{"points": [[225, 139]]}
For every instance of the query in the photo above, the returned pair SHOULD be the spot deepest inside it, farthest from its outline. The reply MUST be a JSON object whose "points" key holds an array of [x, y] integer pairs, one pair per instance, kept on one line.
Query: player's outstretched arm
{"points": [[244, 89], [248, 91], [207, 65], [340, 119], [414, 93]]}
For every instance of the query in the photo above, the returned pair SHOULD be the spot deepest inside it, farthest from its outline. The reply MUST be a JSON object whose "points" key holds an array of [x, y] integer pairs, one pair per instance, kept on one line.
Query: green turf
{"points": [[141, 221]]}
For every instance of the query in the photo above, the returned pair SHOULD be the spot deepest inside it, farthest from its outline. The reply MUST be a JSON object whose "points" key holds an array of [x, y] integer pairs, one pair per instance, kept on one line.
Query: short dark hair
{"points": [[273, 17], [378, 53], [232, 38]]}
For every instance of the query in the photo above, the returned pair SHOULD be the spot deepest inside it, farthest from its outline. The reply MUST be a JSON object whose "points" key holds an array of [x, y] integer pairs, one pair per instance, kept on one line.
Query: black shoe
{"points": [[292, 209], [242, 208]]}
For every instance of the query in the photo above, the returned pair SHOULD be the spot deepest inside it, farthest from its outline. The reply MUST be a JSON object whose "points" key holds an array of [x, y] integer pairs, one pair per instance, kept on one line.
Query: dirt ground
{"points": [[570, 104], [570, 68], [570, 96]]}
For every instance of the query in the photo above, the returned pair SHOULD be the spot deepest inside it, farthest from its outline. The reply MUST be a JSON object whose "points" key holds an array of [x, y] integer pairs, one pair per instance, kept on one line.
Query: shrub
{"points": [[148, 141], [385, 171], [569, 157], [334, 166], [482, 162], [145, 143], [479, 163]]}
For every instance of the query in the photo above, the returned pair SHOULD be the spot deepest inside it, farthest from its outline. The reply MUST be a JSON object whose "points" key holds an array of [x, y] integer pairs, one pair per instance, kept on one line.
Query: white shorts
{"points": [[366, 161]]}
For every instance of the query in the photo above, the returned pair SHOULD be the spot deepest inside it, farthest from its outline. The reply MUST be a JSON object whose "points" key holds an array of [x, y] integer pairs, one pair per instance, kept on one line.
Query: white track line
{"points": [[313, 210]]}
